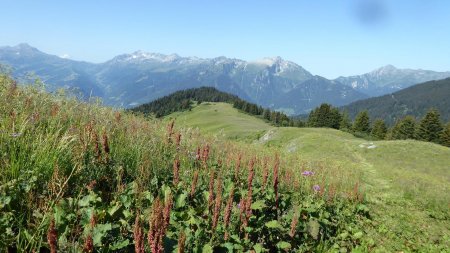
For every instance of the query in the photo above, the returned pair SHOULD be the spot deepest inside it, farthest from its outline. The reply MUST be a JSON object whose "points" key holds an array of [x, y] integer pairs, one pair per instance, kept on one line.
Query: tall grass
{"points": [[78, 176]]}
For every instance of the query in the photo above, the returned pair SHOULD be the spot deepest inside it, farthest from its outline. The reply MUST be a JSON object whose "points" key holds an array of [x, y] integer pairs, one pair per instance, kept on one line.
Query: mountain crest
{"points": [[388, 69], [388, 79]]}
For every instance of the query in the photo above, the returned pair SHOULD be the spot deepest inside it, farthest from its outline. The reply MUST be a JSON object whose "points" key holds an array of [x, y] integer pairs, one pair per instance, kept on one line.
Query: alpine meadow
{"points": [[158, 127]]}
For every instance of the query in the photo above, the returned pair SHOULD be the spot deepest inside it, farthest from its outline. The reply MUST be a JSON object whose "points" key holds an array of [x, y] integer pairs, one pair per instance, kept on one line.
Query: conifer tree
{"points": [[362, 122], [335, 118], [345, 123], [244, 107], [325, 116], [266, 114], [404, 129], [260, 110], [274, 117], [312, 118], [430, 127], [445, 135], [379, 129], [299, 123], [389, 134]]}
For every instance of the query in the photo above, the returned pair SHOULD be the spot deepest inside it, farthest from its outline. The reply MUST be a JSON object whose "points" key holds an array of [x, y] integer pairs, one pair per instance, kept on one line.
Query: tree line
{"points": [[184, 100], [430, 128], [274, 117]]}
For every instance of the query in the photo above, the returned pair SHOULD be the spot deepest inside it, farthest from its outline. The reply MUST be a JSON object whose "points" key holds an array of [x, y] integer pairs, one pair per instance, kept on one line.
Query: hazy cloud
{"points": [[370, 12]]}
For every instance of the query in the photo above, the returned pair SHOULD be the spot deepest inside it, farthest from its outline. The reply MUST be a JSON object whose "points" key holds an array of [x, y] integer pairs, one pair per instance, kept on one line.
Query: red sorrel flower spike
{"points": [[178, 140], [176, 172], [211, 188], [105, 143], [228, 207], [138, 235], [166, 214], [157, 228], [194, 183], [88, 244], [294, 223], [181, 242], [52, 236], [275, 180], [265, 173], [217, 204], [237, 167]]}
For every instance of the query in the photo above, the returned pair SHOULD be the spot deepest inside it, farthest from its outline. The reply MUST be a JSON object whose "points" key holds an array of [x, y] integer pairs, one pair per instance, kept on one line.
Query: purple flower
{"points": [[238, 205], [16, 135], [316, 188], [307, 173]]}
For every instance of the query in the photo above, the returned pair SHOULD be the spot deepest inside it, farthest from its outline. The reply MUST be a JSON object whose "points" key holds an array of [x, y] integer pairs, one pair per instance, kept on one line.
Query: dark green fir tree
{"points": [[404, 129], [362, 122], [345, 123], [445, 135], [379, 129], [430, 127]]}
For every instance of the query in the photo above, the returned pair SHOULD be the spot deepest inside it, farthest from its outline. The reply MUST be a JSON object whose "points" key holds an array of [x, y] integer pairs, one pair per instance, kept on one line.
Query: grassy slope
{"points": [[222, 118], [407, 182]]}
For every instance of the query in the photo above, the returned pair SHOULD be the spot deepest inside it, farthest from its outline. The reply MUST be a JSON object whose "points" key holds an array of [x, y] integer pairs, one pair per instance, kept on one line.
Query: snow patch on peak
{"points": [[279, 64], [224, 60], [270, 61], [141, 55]]}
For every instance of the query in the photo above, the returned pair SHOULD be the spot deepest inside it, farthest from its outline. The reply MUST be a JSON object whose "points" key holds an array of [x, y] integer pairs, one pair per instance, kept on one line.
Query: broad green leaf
{"points": [[258, 205], [166, 191], [126, 213], [119, 245], [343, 235], [258, 248], [88, 199], [192, 221], [207, 249], [283, 245], [181, 200], [313, 229], [4, 201], [100, 230], [112, 210], [59, 214], [358, 235], [236, 238], [148, 196], [125, 200], [229, 246], [273, 224]]}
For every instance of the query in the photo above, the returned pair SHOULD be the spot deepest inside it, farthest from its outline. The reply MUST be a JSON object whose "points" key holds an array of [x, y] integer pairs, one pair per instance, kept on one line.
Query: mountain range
{"points": [[128, 80], [389, 79]]}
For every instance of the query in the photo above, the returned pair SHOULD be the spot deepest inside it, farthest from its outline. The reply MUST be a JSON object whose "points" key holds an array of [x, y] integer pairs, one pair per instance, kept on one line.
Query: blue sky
{"points": [[328, 38]]}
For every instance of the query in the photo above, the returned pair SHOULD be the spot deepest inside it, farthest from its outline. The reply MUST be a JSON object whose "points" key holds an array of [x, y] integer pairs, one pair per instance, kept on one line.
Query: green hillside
{"points": [[415, 100], [222, 119], [407, 182]]}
